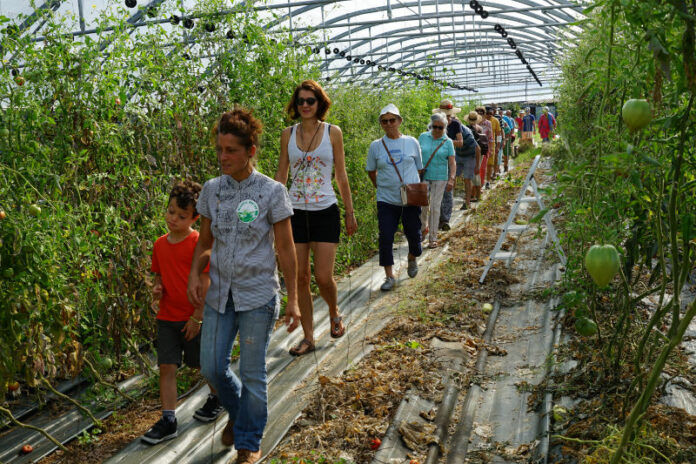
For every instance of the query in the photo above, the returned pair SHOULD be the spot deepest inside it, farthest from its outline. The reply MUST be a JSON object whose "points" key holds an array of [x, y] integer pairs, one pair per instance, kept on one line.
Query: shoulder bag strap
{"points": [[431, 156], [392, 162]]}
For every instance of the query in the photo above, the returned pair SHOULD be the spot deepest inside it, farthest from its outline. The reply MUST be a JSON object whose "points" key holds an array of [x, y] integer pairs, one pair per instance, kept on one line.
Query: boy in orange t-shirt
{"points": [[178, 321]]}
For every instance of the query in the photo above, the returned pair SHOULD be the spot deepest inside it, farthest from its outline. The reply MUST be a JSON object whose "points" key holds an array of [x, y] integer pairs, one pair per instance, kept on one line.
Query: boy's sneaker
{"points": [[210, 410], [163, 430]]}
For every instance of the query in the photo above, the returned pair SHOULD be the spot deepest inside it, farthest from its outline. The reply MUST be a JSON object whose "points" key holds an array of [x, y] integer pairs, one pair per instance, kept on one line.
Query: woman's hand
{"points": [[450, 185], [351, 224], [292, 315], [195, 290]]}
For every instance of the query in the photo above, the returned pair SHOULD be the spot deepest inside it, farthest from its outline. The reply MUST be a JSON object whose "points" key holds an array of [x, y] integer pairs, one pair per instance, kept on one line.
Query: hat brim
{"points": [[449, 112]]}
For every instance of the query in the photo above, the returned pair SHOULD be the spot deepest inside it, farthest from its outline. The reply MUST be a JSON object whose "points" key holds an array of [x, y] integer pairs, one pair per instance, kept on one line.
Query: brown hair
{"points": [[241, 123], [185, 193], [323, 100]]}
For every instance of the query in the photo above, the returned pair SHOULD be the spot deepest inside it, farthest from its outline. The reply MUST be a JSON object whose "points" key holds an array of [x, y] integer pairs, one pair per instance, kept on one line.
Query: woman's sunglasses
{"points": [[439, 127], [310, 101]]}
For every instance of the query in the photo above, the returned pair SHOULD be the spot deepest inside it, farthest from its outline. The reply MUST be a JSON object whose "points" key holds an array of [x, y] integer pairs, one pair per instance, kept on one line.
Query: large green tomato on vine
{"points": [[602, 262], [585, 327], [636, 113]]}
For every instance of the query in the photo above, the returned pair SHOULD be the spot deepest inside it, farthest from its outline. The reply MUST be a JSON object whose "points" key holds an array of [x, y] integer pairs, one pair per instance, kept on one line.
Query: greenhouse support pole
{"points": [[80, 9]]}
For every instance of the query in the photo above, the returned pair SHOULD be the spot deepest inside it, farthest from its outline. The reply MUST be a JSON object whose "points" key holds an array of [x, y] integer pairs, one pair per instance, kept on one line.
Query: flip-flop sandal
{"points": [[337, 327], [299, 349]]}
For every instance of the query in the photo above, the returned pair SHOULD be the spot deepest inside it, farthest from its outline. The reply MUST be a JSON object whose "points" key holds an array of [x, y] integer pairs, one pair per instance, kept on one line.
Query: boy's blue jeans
{"points": [[245, 397]]}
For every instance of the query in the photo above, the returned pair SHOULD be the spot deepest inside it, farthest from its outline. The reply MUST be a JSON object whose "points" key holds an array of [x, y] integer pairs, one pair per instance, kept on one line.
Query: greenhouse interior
{"points": [[443, 231]]}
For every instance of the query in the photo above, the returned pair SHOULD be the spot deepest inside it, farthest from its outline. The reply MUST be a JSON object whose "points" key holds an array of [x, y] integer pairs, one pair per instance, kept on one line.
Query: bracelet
{"points": [[196, 320]]}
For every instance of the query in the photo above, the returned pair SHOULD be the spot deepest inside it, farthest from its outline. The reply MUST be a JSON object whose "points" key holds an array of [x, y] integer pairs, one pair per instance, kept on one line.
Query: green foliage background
{"points": [[96, 136]]}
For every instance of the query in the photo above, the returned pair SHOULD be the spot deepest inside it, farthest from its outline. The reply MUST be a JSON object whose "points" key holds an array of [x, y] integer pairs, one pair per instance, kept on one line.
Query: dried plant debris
{"points": [[418, 435]]}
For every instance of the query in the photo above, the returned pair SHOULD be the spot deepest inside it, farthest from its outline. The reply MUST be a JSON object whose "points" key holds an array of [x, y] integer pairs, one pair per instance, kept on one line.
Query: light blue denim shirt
{"points": [[243, 260]]}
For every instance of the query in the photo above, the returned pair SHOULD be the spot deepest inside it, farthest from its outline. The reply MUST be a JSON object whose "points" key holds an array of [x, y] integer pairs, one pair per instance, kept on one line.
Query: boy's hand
{"points": [[191, 329], [292, 315], [156, 297]]}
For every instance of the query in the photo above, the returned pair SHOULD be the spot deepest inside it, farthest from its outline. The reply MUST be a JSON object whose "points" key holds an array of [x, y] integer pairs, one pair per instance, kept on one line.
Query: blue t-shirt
{"points": [[528, 123], [406, 154], [437, 169]]}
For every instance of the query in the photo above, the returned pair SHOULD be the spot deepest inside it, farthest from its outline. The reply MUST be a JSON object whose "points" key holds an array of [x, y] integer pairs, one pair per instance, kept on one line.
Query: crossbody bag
{"points": [[415, 194]]}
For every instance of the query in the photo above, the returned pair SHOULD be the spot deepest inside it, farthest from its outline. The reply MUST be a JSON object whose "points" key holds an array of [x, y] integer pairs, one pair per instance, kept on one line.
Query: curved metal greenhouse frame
{"points": [[505, 49]]}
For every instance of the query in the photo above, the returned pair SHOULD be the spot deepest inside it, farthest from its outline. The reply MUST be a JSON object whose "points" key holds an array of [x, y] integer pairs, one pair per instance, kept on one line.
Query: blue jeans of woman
{"points": [[388, 217], [245, 397]]}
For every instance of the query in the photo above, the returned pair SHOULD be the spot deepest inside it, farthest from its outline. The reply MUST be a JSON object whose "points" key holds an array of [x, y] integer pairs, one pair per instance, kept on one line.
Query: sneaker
{"points": [[445, 226], [247, 456], [163, 430], [488, 186], [412, 268], [388, 284], [464, 207], [210, 410]]}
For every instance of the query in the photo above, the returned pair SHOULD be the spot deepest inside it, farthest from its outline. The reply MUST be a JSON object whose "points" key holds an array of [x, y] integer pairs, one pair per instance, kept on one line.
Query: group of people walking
{"points": [[220, 282]]}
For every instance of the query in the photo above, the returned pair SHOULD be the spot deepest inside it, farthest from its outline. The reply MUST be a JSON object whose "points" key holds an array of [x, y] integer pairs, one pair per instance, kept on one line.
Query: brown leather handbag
{"points": [[415, 194]]}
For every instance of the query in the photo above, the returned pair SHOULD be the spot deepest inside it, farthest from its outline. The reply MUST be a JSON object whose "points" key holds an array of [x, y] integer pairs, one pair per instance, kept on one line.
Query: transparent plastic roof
{"points": [[504, 50]]}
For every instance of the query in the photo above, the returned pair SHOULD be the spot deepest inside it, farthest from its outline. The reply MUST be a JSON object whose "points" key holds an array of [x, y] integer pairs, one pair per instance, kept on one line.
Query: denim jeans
{"points": [[388, 217], [245, 397]]}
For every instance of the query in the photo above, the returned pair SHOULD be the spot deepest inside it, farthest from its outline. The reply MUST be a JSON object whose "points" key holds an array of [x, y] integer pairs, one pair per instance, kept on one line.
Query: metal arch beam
{"points": [[533, 6], [390, 44]]}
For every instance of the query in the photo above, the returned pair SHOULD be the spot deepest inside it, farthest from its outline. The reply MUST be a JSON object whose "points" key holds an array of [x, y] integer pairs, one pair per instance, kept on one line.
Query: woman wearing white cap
{"points": [[392, 160]]}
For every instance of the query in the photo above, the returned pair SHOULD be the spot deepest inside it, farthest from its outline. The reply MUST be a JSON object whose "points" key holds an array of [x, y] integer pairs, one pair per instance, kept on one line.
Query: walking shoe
{"points": [[488, 186], [164, 429], [248, 457], [228, 434], [210, 410], [388, 284], [464, 207], [412, 268], [445, 226]]}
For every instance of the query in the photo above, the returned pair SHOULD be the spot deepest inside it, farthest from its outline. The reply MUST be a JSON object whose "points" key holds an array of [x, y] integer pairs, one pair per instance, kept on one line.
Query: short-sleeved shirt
{"points": [[172, 261], [243, 261], [406, 154], [510, 122], [488, 132], [495, 124], [454, 127], [518, 120], [528, 123], [437, 169]]}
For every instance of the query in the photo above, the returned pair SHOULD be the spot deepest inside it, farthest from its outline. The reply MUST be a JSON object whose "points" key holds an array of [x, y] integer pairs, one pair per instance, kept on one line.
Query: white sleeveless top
{"points": [[311, 188]]}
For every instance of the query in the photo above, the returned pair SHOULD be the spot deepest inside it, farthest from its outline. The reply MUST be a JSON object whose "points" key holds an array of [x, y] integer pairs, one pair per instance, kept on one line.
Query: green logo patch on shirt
{"points": [[247, 211]]}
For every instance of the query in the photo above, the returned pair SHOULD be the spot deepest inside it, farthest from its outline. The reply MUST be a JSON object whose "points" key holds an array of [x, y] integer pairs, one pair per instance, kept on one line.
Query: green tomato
{"points": [[107, 363], [636, 113], [4, 133], [585, 327], [602, 262], [34, 210], [8, 273], [581, 311]]}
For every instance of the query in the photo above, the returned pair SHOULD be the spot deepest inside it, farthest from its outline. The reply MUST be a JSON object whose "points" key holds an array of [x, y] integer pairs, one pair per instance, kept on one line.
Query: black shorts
{"points": [[171, 344], [316, 226]]}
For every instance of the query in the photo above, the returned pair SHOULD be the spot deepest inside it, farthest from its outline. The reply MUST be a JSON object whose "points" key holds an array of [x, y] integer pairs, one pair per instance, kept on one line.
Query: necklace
{"points": [[311, 141]]}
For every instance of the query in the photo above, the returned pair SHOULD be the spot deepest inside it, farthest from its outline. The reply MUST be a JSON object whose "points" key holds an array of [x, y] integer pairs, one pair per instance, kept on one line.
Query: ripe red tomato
{"points": [[19, 80], [13, 386], [26, 449], [3, 215], [375, 443], [117, 101]]}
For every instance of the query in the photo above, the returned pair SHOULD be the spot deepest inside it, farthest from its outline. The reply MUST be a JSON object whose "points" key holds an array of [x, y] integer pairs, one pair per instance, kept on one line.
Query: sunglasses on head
{"points": [[310, 101], [480, 112], [439, 127], [387, 120]]}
